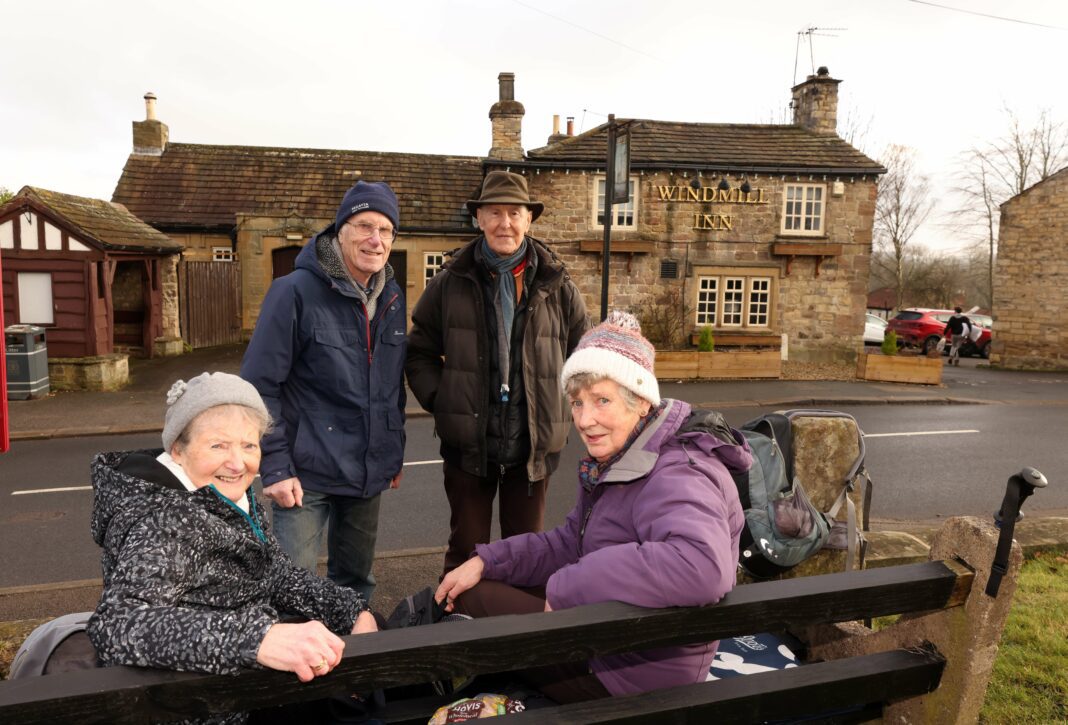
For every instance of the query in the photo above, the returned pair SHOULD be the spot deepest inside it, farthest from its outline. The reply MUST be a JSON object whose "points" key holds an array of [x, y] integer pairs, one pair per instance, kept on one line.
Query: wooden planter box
{"points": [[900, 368], [694, 365]]}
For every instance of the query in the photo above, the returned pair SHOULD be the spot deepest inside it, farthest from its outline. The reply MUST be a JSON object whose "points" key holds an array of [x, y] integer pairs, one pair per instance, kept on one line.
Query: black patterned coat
{"points": [[191, 582]]}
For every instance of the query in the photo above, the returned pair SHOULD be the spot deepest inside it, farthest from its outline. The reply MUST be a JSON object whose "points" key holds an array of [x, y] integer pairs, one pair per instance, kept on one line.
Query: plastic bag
{"points": [[481, 705]]}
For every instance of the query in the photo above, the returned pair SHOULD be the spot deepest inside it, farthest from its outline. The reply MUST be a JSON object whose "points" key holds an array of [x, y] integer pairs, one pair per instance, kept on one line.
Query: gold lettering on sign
{"points": [[713, 222], [712, 195]]}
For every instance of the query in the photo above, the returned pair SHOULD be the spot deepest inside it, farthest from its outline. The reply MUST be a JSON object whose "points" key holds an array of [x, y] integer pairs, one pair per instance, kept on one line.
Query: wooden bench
{"points": [[931, 665]]}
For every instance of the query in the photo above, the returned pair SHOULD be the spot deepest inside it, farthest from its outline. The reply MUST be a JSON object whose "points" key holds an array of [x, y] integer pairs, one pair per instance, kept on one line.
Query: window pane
{"points": [[706, 300], [759, 297], [733, 296], [432, 262], [35, 298]]}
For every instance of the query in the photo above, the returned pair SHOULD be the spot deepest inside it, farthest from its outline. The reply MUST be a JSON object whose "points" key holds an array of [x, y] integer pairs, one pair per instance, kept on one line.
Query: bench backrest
{"points": [[131, 695]]}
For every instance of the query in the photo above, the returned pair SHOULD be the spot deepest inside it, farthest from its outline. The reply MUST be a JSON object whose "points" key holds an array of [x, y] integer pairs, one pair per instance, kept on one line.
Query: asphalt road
{"points": [[927, 461]]}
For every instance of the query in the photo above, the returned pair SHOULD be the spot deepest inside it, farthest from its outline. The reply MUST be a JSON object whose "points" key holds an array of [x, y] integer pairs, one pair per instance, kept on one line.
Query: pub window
{"points": [[625, 216], [733, 301], [432, 262], [707, 299], [759, 299], [803, 209], [222, 254], [734, 298]]}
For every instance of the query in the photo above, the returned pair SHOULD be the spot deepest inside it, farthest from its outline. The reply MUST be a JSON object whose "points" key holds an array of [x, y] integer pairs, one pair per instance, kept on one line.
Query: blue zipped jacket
{"points": [[332, 379]]}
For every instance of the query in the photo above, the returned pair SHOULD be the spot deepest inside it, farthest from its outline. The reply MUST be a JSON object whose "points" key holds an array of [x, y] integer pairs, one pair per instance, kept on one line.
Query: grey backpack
{"points": [[783, 527], [59, 645]]}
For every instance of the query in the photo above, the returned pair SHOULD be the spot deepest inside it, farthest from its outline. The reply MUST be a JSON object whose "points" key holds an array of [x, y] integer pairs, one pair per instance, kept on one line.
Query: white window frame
{"points": [[758, 303], [431, 261], [707, 300], [735, 298], [804, 210], [624, 216], [223, 254]]}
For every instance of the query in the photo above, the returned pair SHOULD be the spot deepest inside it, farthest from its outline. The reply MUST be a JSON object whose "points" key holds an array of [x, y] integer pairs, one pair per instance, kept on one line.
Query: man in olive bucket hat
{"points": [[488, 340]]}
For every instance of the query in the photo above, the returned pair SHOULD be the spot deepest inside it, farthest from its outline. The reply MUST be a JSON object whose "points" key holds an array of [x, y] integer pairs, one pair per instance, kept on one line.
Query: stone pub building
{"points": [[762, 232]]}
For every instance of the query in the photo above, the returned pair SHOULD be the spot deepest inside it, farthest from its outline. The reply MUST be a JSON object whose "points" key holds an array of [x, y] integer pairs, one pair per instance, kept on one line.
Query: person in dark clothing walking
{"points": [[958, 326], [488, 340]]}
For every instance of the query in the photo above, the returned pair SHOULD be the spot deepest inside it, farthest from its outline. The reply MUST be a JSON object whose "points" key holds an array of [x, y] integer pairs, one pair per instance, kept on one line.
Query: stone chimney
{"points": [[506, 117], [815, 103], [150, 136], [556, 135]]}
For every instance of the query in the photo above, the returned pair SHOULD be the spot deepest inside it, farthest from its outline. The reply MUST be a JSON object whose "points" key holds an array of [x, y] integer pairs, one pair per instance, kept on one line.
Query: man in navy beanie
{"points": [[327, 355]]}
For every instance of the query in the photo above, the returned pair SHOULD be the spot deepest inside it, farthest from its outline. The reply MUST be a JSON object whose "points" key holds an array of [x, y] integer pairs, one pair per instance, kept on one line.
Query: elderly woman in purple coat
{"points": [[657, 521]]}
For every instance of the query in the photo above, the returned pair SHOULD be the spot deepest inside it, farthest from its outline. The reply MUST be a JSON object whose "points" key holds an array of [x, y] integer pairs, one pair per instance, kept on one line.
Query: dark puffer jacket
{"points": [[191, 582], [449, 358]]}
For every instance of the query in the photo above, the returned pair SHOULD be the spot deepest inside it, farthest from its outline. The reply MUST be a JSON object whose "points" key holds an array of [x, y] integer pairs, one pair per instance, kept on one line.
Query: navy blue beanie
{"points": [[368, 196]]}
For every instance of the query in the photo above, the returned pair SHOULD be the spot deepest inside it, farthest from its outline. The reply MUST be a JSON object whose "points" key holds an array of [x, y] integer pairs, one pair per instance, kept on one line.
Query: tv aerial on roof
{"points": [[808, 34]]}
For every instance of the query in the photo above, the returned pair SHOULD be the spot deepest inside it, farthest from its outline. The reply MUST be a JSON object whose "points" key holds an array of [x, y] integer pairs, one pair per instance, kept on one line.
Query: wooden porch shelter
{"points": [[89, 272]]}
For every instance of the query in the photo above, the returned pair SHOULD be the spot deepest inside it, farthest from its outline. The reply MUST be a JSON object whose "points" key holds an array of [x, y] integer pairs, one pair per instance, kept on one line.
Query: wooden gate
{"points": [[210, 300]]}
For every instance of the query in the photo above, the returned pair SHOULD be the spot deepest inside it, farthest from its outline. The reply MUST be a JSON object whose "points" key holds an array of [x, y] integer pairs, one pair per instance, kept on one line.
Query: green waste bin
{"points": [[27, 362]]}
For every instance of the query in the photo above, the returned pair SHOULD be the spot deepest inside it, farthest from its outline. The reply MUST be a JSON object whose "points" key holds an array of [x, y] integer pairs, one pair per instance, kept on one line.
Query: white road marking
{"points": [[52, 490], [90, 488], [921, 433]]}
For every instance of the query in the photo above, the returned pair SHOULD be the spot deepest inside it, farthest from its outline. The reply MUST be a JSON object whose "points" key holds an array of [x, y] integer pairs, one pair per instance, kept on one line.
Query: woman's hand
{"points": [[309, 649], [286, 493], [458, 581], [365, 622]]}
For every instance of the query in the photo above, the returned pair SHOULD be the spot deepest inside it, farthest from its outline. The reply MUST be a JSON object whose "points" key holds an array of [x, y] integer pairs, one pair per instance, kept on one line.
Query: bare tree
{"points": [[993, 173], [902, 203]]}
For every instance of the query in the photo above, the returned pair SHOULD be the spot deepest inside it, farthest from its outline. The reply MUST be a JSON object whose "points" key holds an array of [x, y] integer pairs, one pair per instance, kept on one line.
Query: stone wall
{"points": [[98, 372], [1031, 281], [822, 314], [168, 282]]}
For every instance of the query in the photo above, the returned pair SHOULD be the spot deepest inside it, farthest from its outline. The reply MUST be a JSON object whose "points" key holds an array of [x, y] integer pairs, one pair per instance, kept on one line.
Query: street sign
{"points": [[620, 182]]}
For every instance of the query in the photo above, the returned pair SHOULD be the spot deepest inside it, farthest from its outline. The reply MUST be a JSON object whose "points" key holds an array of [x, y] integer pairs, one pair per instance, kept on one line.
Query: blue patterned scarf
{"points": [[504, 301]]}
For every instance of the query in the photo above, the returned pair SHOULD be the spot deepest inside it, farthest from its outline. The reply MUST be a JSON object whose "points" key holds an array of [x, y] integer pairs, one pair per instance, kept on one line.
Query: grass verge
{"points": [[1030, 679]]}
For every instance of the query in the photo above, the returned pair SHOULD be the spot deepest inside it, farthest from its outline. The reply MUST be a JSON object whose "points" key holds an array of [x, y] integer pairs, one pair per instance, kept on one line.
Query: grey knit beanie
{"points": [[185, 401]]}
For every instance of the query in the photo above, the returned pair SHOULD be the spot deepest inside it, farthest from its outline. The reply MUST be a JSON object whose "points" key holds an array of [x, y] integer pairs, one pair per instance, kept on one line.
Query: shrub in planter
{"points": [[890, 343], [706, 342]]}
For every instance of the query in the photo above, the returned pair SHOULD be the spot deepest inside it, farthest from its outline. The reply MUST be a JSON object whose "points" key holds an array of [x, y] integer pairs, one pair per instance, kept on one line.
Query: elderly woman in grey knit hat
{"points": [[193, 578]]}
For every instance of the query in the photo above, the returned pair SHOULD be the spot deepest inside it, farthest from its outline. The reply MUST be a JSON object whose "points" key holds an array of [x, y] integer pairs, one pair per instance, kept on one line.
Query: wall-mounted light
{"points": [[745, 187], [696, 183], [723, 185]]}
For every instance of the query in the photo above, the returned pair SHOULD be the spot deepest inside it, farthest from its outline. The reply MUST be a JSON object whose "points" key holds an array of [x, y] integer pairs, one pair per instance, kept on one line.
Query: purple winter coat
{"points": [[663, 530]]}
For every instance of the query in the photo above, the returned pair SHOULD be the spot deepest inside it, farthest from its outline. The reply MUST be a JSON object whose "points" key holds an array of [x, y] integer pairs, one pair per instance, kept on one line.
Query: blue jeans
{"points": [[352, 528]]}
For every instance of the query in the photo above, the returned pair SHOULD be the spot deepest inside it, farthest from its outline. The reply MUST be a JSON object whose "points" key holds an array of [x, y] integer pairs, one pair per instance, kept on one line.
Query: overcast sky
{"points": [[420, 75]]}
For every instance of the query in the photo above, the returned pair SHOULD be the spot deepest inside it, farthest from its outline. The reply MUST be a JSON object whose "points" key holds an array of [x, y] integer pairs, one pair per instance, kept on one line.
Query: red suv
{"points": [[922, 327]]}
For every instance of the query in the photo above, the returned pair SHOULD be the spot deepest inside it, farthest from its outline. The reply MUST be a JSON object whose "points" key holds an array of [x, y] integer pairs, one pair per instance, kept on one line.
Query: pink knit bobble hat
{"points": [[617, 350]]}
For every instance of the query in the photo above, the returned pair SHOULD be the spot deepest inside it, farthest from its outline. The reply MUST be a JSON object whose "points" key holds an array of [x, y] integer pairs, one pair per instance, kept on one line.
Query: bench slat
{"points": [[818, 688], [131, 695]]}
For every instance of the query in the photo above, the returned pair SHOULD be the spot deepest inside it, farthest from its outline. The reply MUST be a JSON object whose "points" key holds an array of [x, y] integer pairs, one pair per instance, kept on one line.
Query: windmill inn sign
{"points": [[712, 195]]}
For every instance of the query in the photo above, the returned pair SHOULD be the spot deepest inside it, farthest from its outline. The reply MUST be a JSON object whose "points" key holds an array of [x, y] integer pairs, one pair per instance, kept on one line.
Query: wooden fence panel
{"points": [[210, 303]]}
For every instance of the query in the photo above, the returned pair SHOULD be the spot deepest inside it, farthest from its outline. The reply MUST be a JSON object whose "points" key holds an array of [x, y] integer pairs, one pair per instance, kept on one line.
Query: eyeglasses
{"points": [[366, 229]]}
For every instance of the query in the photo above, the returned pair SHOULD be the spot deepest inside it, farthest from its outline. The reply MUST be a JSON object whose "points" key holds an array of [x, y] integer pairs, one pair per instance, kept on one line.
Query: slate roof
{"points": [[205, 186], [97, 221], [718, 146]]}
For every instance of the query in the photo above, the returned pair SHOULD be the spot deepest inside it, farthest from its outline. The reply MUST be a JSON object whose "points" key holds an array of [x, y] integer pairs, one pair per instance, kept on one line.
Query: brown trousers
{"points": [[568, 682], [521, 509]]}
